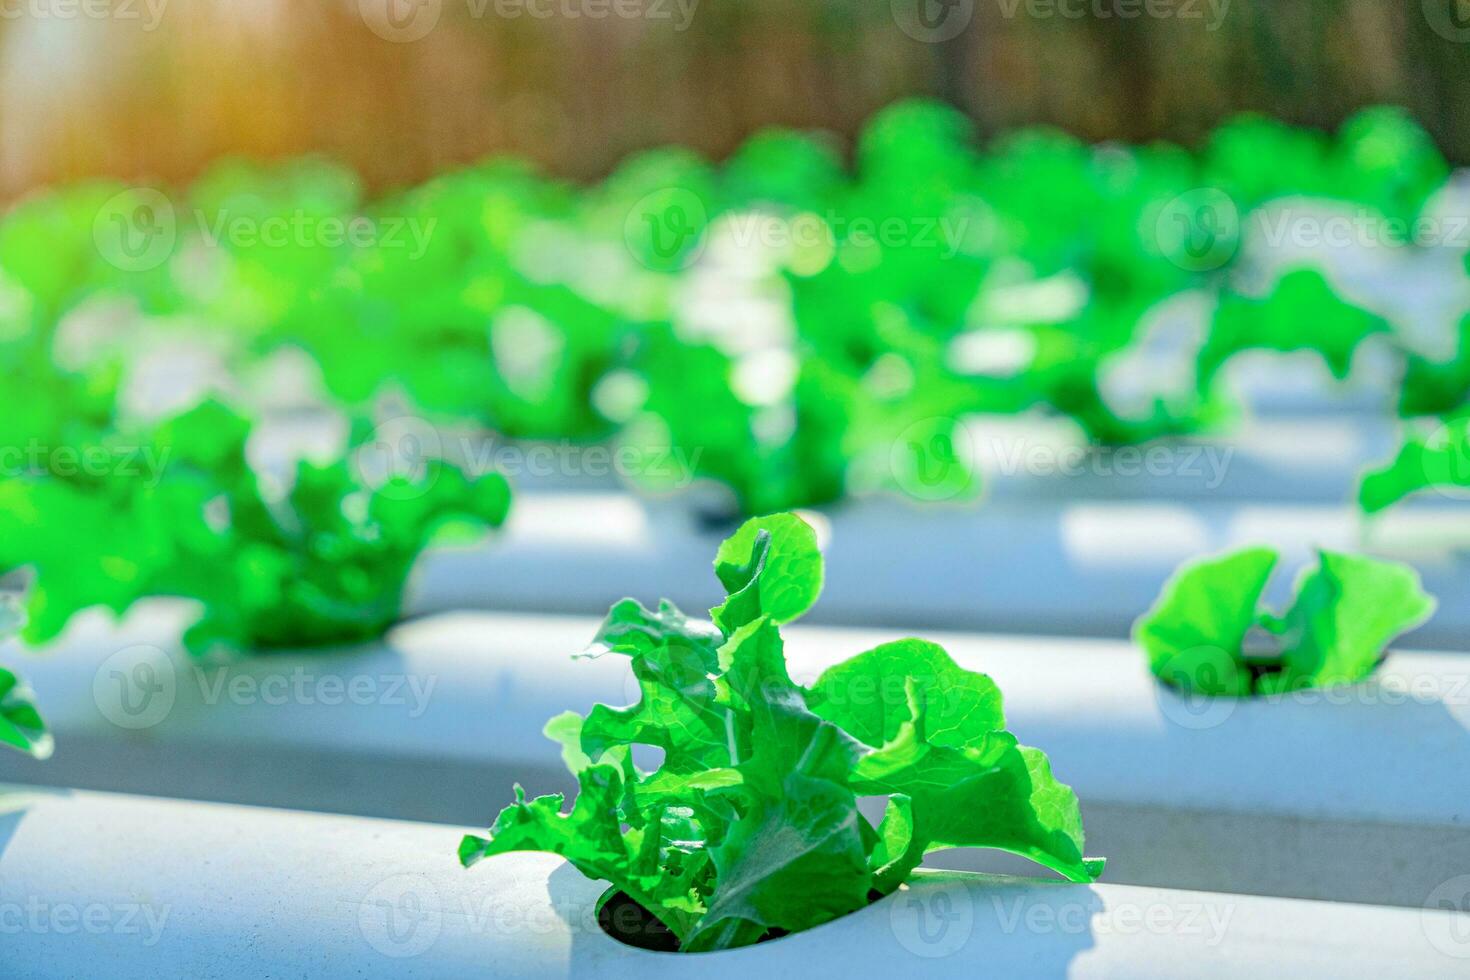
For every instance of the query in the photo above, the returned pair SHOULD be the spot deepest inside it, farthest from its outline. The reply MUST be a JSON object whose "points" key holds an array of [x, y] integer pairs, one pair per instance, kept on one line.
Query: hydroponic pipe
{"points": [[1354, 794], [124, 887]]}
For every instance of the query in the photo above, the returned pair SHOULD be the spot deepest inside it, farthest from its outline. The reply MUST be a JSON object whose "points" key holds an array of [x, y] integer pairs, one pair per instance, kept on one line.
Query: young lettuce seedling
{"points": [[324, 564], [750, 827], [1207, 634], [1301, 313], [1437, 461]]}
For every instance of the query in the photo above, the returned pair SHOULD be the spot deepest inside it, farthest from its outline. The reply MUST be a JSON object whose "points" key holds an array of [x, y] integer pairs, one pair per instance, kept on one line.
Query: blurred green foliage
{"points": [[322, 562], [781, 318]]}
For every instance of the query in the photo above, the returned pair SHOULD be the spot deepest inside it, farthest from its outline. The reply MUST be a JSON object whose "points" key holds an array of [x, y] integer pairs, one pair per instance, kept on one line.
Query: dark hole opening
{"points": [[631, 924]]}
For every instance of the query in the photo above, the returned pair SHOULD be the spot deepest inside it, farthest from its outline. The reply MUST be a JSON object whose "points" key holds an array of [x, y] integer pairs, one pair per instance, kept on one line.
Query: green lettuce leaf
{"points": [[21, 726], [1195, 631], [323, 564], [1437, 461], [1208, 635], [750, 826], [1302, 313], [770, 567], [1347, 611]]}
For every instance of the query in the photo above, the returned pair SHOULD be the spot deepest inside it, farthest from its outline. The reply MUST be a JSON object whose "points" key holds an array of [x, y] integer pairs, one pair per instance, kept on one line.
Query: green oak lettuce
{"points": [[1208, 633], [750, 825], [325, 562]]}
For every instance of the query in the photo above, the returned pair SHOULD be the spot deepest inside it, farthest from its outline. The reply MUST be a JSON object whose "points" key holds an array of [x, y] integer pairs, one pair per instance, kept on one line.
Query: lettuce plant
{"points": [[1437, 387], [1207, 633], [1301, 313], [325, 563], [1437, 460], [750, 826], [21, 726]]}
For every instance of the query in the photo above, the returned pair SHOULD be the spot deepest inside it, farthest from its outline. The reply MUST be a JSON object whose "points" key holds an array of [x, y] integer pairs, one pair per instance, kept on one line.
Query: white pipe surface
{"points": [[1356, 794], [1040, 567], [123, 887]]}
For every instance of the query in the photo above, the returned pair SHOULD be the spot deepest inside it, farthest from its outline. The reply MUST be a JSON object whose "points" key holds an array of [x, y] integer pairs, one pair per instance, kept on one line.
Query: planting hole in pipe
{"points": [[753, 822]]}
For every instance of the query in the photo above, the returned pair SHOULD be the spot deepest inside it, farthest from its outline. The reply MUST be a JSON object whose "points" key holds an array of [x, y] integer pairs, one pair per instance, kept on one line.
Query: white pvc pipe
{"points": [[1354, 795], [1030, 567], [123, 887]]}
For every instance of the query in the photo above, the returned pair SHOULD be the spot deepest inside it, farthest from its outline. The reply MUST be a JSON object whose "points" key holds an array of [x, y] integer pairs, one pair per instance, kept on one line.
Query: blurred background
{"points": [[401, 89], [370, 331], [1106, 284]]}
